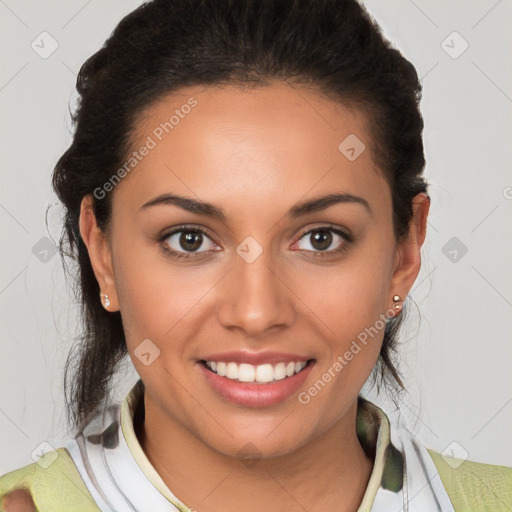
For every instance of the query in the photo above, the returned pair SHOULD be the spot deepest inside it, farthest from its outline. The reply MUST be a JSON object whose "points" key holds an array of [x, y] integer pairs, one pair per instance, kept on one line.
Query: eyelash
{"points": [[347, 241]]}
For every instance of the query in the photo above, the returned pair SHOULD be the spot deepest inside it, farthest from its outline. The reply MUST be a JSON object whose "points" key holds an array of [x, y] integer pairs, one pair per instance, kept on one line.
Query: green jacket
{"points": [[472, 486]]}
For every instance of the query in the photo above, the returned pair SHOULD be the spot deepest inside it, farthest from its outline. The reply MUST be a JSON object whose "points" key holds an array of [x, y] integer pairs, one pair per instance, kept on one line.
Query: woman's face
{"points": [[272, 282]]}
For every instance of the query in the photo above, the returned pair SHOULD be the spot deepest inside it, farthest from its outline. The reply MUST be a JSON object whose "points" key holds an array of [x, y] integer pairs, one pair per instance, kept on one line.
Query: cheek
{"points": [[350, 311], [157, 298], [349, 297], [348, 304]]}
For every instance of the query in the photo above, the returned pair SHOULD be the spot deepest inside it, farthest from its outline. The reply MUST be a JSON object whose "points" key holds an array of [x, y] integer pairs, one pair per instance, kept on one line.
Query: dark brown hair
{"points": [[333, 46]]}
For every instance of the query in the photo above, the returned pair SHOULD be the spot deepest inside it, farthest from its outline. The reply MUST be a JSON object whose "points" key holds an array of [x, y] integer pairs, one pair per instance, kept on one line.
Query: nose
{"points": [[256, 297]]}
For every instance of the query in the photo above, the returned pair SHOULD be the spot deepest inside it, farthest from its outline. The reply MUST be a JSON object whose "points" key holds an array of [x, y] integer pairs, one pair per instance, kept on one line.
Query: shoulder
{"points": [[51, 483], [471, 484]]}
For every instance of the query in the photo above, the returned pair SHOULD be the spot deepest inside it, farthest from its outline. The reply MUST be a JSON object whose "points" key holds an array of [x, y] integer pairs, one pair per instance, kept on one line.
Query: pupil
{"points": [[191, 240], [321, 239]]}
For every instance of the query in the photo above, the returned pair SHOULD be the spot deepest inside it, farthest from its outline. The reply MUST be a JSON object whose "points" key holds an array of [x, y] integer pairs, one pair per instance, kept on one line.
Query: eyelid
{"points": [[327, 227], [184, 227]]}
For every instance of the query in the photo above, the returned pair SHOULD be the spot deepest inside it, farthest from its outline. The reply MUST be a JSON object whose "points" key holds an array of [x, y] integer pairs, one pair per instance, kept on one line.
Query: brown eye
{"points": [[187, 241], [321, 240], [191, 240], [324, 240]]}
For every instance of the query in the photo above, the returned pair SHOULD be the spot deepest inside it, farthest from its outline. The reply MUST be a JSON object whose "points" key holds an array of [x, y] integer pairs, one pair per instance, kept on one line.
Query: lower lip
{"points": [[252, 394]]}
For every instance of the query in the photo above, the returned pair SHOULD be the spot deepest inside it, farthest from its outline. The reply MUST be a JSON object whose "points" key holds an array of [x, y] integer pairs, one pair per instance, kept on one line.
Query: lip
{"points": [[252, 394], [255, 358]]}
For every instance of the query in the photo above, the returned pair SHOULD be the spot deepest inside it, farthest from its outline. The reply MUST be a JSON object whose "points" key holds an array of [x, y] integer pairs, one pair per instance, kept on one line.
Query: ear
{"points": [[408, 258], [100, 252]]}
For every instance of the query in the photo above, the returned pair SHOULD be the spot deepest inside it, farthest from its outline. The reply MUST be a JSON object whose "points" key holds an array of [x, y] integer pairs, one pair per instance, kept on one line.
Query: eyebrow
{"points": [[297, 210]]}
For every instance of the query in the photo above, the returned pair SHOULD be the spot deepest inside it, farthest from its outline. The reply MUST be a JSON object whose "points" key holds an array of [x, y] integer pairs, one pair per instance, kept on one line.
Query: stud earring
{"points": [[105, 300], [396, 308]]}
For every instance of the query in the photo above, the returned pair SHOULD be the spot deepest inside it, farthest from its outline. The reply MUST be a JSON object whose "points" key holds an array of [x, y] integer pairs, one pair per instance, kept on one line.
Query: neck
{"points": [[330, 473]]}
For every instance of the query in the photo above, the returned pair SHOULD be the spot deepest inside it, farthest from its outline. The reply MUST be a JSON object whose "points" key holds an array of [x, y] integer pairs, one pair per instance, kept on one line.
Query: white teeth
{"points": [[279, 371], [262, 373], [246, 372], [232, 371], [221, 369]]}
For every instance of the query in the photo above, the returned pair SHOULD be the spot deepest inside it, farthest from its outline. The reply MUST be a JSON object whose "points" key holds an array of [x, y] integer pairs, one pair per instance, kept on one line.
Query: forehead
{"points": [[228, 145]]}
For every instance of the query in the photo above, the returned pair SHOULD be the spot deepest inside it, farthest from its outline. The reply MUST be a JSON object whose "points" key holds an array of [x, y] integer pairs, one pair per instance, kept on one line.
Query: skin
{"points": [[254, 153], [18, 501]]}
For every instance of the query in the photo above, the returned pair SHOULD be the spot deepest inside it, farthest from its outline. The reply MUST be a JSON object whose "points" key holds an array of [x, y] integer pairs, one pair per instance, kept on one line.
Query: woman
{"points": [[245, 201]]}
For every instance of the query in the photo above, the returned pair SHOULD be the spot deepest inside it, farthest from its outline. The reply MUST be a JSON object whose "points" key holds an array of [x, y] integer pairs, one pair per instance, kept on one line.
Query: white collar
{"points": [[120, 477]]}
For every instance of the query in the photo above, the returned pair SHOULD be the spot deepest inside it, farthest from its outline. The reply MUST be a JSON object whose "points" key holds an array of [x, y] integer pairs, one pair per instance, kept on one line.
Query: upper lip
{"points": [[256, 358]]}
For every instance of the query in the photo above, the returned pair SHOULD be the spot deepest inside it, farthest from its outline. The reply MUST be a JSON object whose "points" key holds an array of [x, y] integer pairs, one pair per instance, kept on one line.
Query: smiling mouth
{"points": [[259, 374]]}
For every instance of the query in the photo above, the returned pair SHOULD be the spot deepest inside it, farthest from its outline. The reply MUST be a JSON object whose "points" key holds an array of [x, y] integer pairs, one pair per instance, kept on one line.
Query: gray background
{"points": [[457, 349]]}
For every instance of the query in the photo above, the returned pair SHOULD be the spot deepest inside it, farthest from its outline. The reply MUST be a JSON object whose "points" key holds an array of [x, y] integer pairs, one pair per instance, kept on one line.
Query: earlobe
{"points": [[100, 254]]}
